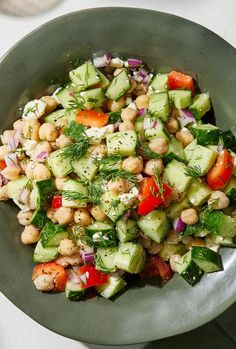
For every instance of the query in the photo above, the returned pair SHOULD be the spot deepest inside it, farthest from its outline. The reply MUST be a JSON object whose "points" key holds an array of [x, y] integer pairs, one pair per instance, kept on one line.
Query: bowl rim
{"points": [[4, 57]]}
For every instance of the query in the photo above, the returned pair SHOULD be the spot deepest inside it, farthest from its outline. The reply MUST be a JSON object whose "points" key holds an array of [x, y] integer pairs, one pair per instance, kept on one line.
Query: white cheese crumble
{"points": [[132, 106], [116, 62], [97, 134], [128, 100], [34, 109], [129, 197], [29, 147]]}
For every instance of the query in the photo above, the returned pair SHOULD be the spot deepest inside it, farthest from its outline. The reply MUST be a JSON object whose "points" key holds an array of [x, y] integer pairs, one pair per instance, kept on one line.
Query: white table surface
{"points": [[16, 329]]}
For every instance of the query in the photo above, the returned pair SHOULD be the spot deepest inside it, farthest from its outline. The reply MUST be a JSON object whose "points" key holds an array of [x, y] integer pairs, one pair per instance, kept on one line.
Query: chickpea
{"points": [[133, 164], [24, 218], [97, 213], [4, 193], [67, 247], [51, 215], [41, 172], [63, 141], [115, 106], [117, 71], [184, 136], [100, 149], [132, 87], [51, 104], [31, 129], [151, 165], [82, 217], [11, 173], [174, 112], [44, 282], [159, 145], [198, 242], [64, 215], [19, 125], [142, 101], [189, 216], [3, 151], [60, 181], [145, 242], [30, 235], [53, 145], [141, 89], [154, 248], [6, 136], [61, 125], [128, 114], [118, 186], [48, 132], [29, 170], [126, 126], [42, 147], [218, 200], [172, 125]]}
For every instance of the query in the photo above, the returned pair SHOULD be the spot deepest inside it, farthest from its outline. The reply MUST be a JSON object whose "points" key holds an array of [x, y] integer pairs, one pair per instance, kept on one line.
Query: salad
{"points": [[117, 173]]}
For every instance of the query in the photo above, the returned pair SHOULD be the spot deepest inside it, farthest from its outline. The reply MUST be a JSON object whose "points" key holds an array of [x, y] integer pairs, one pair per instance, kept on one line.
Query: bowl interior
{"points": [[35, 66]]}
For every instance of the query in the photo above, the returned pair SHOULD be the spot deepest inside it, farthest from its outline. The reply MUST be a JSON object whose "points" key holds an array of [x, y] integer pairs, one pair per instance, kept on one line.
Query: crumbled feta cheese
{"points": [[132, 106], [34, 109], [128, 100], [97, 134], [29, 146], [97, 236], [116, 62], [129, 197]]}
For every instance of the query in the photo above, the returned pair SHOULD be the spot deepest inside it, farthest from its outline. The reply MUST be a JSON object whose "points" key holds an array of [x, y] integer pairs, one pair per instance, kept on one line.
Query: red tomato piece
{"points": [[155, 265], [56, 270], [57, 201], [177, 80], [2, 165], [222, 171], [92, 118], [89, 276]]}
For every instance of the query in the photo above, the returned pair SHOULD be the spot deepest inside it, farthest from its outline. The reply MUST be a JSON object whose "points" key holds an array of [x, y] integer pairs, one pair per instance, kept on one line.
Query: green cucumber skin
{"points": [[206, 137], [193, 275], [39, 219], [52, 234], [43, 255], [46, 190], [207, 260], [106, 238]]}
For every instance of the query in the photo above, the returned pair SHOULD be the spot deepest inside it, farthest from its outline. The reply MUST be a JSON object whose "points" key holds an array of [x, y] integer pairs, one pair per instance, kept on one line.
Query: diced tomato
{"points": [[56, 270], [2, 165], [222, 171], [151, 197], [89, 276], [57, 201], [177, 80], [155, 265], [92, 118]]}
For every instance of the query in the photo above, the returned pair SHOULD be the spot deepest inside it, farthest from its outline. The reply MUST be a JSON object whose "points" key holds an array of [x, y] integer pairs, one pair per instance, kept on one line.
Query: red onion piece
{"points": [[24, 196], [149, 123], [42, 156], [186, 117], [87, 254], [134, 62], [107, 57], [142, 112], [11, 160], [137, 78], [72, 276], [99, 62], [179, 225], [220, 147], [14, 140], [143, 73], [147, 79]]}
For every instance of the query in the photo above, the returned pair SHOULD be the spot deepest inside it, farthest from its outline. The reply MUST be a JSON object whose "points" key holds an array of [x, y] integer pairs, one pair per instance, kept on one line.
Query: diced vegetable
{"points": [[90, 277], [154, 225], [206, 133], [130, 257], [114, 285], [222, 171], [92, 118], [52, 234], [100, 235], [159, 105], [56, 270], [118, 86], [201, 105], [177, 80]]}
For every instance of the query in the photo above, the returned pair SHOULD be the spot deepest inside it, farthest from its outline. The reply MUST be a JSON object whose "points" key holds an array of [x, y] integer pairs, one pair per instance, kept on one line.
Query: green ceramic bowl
{"points": [[44, 57]]}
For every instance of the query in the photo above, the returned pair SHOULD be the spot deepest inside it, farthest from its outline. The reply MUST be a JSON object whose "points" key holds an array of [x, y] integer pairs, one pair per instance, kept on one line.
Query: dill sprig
{"points": [[114, 205], [159, 183], [113, 174], [76, 131], [94, 194], [76, 150], [108, 160], [114, 117], [193, 171], [146, 152], [74, 195]]}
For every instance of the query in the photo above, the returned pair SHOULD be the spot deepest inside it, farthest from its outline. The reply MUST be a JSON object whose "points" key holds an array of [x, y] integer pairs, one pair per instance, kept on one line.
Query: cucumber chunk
{"points": [[59, 165], [206, 134], [39, 219], [66, 95], [104, 259], [85, 168], [155, 225], [175, 209], [52, 234], [158, 131], [188, 151], [198, 192], [230, 189], [114, 285], [118, 86], [114, 212], [221, 224], [188, 269], [76, 187], [207, 260], [74, 292], [180, 98], [175, 151], [63, 114], [130, 257], [85, 76], [169, 250], [160, 83], [139, 127], [229, 140], [159, 105], [203, 158], [127, 230], [45, 190], [201, 105], [42, 255], [100, 235], [91, 98], [15, 187], [175, 175], [122, 143], [224, 242], [104, 81]]}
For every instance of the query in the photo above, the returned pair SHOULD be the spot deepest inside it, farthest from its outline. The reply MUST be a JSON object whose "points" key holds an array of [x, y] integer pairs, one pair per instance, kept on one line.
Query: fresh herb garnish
{"points": [[108, 160], [193, 171], [73, 195], [94, 194], [114, 205], [147, 152], [159, 183], [112, 175], [114, 117], [76, 150]]}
